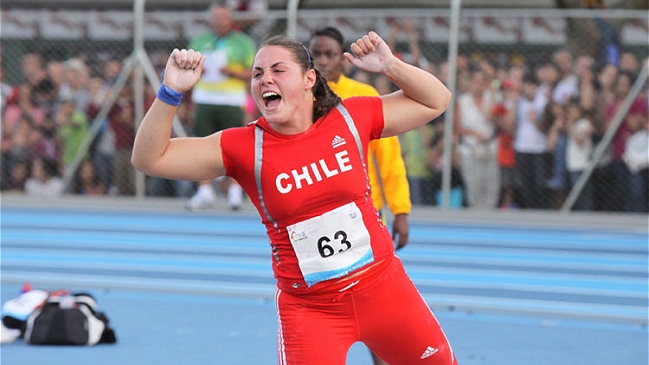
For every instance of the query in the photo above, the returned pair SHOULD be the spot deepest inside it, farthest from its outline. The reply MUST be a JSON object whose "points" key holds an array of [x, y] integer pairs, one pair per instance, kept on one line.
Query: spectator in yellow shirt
{"points": [[390, 184]]}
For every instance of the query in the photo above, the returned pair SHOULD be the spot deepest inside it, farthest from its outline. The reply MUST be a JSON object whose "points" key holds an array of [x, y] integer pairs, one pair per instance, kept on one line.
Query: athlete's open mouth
{"points": [[271, 98]]}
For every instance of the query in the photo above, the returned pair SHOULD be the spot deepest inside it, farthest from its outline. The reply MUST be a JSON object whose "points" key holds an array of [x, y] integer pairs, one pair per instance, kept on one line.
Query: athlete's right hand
{"points": [[183, 70]]}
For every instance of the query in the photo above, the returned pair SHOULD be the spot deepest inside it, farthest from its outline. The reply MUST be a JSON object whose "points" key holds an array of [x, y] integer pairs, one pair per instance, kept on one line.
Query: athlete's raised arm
{"points": [[157, 154], [421, 98]]}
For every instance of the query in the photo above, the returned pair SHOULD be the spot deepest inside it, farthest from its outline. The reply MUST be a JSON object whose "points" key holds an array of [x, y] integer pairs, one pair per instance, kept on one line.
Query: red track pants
{"points": [[381, 308]]}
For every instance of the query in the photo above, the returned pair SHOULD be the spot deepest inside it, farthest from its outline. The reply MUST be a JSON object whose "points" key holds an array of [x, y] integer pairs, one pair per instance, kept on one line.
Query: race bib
{"points": [[331, 245]]}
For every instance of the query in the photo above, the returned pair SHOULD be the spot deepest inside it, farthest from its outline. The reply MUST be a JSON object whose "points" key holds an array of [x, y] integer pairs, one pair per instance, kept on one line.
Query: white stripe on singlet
{"points": [[281, 349]]}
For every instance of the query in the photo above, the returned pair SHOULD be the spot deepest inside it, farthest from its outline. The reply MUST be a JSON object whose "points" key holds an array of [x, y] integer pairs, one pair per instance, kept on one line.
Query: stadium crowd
{"points": [[523, 133]]}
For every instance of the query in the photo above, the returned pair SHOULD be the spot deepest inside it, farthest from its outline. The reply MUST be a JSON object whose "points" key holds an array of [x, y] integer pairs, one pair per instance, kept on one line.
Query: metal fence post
{"points": [[450, 114]]}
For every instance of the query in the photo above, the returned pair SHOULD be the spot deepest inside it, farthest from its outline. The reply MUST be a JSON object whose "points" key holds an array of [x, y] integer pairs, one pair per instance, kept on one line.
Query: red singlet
{"points": [[298, 174]]}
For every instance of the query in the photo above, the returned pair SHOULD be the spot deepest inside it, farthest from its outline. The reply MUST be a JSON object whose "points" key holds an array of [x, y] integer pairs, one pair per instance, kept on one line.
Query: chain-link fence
{"points": [[541, 98]]}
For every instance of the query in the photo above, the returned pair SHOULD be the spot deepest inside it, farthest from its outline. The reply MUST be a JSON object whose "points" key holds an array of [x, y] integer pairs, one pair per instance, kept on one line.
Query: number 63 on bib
{"points": [[332, 244]]}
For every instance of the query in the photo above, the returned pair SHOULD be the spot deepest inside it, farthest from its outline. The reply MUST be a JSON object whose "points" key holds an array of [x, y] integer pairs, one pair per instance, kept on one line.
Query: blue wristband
{"points": [[169, 95]]}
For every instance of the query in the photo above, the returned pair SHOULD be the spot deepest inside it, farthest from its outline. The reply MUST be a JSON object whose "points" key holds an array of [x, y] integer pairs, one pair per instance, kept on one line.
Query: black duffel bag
{"points": [[68, 319]]}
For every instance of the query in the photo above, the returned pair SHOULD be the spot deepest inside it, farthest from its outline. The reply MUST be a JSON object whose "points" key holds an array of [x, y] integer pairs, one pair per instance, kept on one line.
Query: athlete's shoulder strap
{"points": [[352, 128]]}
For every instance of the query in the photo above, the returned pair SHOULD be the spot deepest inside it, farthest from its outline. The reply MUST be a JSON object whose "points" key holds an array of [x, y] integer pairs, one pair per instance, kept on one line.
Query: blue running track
{"points": [[187, 288]]}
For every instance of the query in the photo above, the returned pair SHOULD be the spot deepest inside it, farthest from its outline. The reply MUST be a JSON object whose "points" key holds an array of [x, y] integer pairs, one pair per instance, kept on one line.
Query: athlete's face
{"points": [[327, 57], [280, 88]]}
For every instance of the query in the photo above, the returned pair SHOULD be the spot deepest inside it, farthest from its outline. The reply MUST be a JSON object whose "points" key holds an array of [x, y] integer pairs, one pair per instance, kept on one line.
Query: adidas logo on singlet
{"points": [[430, 351], [337, 141]]}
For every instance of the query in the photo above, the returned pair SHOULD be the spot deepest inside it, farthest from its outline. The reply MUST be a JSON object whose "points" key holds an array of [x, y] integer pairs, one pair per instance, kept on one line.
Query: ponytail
{"points": [[325, 98]]}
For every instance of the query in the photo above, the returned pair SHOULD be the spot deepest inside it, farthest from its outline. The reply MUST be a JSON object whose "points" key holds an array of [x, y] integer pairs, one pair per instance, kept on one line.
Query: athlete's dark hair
{"points": [[324, 98]]}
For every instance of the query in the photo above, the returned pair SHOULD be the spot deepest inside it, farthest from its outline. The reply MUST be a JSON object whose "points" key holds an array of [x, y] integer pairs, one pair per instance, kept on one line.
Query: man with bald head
{"points": [[220, 95]]}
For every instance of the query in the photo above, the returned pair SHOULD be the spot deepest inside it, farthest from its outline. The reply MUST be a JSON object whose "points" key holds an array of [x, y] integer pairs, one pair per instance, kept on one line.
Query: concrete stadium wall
{"points": [[281, 4], [323, 4]]}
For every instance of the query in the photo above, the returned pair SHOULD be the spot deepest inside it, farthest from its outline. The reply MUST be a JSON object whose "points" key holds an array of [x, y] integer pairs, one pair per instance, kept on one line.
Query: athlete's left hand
{"points": [[400, 230], [371, 53]]}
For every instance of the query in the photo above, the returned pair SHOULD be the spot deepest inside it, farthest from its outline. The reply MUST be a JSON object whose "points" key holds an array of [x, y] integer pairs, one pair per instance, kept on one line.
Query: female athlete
{"points": [[303, 166]]}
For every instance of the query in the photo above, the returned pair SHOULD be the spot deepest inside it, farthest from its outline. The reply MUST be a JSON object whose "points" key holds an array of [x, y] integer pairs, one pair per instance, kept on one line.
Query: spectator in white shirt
{"points": [[45, 181], [578, 152]]}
